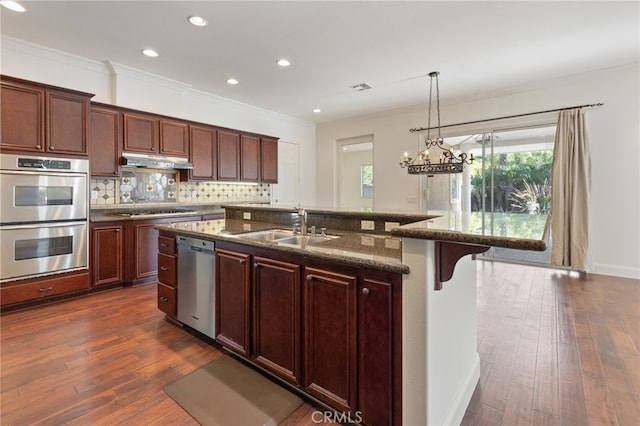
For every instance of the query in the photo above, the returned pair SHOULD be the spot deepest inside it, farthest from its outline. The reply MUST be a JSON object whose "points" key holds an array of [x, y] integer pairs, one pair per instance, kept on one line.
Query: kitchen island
{"points": [[403, 301]]}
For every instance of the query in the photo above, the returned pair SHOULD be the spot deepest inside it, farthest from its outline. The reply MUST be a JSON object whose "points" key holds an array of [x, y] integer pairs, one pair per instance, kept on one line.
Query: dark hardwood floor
{"points": [[554, 349]]}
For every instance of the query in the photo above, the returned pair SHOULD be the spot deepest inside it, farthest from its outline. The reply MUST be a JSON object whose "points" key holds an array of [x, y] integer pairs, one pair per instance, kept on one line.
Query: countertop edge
{"points": [[462, 238]]}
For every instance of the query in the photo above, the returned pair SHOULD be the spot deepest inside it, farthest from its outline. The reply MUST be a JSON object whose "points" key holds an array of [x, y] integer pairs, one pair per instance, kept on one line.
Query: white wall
{"points": [[127, 87], [615, 149]]}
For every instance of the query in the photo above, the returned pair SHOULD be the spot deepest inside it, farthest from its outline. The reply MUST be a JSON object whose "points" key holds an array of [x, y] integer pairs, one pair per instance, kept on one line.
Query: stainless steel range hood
{"points": [[130, 159]]}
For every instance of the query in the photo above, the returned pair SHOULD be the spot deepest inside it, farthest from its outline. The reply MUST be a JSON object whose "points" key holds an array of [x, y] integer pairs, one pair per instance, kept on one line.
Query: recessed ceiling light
{"points": [[317, 110], [198, 21], [232, 81], [283, 62], [150, 53], [12, 5]]}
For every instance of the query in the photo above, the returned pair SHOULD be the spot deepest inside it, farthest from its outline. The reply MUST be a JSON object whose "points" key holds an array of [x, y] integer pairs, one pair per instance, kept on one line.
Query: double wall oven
{"points": [[44, 225]]}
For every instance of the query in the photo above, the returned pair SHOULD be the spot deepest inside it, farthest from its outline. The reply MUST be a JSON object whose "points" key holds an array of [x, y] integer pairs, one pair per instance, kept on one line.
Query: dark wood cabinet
{"points": [[203, 154], [107, 254], [233, 275], [269, 160], [329, 337], [174, 138], [140, 133], [249, 158], [39, 118], [379, 332], [167, 275], [276, 317], [228, 155], [105, 141], [22, 117]]}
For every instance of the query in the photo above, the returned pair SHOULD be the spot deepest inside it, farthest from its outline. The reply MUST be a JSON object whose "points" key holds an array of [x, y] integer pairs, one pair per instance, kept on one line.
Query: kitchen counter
{"points": [[139, 212], [382, 252]]}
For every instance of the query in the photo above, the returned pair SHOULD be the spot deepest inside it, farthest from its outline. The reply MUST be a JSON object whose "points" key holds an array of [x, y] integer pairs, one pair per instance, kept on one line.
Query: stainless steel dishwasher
{"points": [[196, 284]]}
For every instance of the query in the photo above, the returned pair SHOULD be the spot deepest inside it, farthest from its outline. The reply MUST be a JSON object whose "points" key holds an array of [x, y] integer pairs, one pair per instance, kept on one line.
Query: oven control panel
{"points": [[38, 163]]}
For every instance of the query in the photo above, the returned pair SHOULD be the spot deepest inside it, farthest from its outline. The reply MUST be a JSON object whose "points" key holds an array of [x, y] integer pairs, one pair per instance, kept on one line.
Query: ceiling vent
{"points": [[361, 87]]}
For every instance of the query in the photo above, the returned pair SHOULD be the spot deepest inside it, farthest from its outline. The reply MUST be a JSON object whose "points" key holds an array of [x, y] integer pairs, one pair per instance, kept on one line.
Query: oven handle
{"points": [[43, 173], [43, 225]]}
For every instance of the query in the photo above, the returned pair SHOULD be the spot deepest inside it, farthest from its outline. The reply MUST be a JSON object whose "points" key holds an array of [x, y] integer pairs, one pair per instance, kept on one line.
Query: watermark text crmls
{"points": [[336, 417]]}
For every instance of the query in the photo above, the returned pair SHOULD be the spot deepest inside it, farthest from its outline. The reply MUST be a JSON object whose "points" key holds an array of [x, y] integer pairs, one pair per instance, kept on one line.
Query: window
{"points": [[366, 181]]}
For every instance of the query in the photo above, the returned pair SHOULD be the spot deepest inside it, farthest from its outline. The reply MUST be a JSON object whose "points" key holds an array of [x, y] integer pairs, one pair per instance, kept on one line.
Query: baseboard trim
{"points": [[616, 270]]}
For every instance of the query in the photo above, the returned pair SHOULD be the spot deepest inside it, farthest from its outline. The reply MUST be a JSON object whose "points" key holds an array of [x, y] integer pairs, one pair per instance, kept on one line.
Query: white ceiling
{"points": [[481, 48]]}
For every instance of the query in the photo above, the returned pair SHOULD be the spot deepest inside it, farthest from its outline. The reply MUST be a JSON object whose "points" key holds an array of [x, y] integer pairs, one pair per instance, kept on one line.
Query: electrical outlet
{"points": [[388, 226], [94, 195], [392, 243], [367, 241], [246, 227], [246, 215], [367, 225]]}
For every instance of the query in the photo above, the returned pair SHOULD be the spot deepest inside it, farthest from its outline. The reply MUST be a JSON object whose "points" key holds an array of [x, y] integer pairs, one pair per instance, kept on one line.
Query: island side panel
{"points": [[441, 365]]}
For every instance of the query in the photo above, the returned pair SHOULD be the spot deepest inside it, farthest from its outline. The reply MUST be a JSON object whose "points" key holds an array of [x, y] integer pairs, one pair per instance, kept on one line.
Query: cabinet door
{"points": [[174, 138], [232, 300], [22, 117], [249, 159], [105, 140], [375, 352], [329, 337], [67, 123], [269, 160], [276, 317], [106, 249], [203, 153], [146, 250], [228, 155], [140, 133]]}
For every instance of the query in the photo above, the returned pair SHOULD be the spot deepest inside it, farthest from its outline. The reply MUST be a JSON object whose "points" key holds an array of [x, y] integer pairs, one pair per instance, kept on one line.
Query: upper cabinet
{"points": [[149, 134], [249, 158], [105, 141], [39, 118], [203, 153], [269, 160], [228, 155]]}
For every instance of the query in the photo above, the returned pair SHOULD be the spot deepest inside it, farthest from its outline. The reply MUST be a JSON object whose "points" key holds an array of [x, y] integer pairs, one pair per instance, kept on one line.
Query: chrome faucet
{"points": [[303, 220]]}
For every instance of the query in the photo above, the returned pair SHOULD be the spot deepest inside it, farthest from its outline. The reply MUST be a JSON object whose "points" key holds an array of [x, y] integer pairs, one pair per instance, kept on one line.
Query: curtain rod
{"points": [[421, 129]]}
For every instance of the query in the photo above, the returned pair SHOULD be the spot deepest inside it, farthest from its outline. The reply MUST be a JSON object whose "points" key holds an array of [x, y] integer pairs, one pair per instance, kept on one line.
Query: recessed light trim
{"points": [[317, 110], [150, 53], [12, 5], [232, 81], [283, 62], [198, 21]]}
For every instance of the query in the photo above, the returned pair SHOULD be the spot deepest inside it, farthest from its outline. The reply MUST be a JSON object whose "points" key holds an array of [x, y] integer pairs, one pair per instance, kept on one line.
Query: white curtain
{"points": [[571, 184]]}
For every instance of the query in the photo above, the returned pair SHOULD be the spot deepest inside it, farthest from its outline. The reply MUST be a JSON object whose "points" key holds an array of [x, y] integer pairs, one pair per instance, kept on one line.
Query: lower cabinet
{"points": [[276, 317], [329, 337], [107, 254], [332, 331], [232, 300]]}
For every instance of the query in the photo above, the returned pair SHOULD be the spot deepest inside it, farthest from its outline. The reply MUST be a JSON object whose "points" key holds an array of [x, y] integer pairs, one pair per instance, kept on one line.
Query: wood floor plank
{"points": [[554, 350]]}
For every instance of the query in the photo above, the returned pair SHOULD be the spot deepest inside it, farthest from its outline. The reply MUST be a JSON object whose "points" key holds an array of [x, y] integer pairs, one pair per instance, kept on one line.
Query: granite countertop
{"points": [[382, 252], [508, 230], [121, 212]]}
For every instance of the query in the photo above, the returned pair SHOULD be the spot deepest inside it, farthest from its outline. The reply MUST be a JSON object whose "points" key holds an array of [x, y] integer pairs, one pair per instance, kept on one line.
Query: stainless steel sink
{"points": [[281, 236], [300, 240], [268, 235]]}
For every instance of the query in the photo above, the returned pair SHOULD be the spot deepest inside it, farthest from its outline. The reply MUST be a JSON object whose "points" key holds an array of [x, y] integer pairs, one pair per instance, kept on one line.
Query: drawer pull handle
{"points": [[164, 268], [366, 291], [38, 146], [241, 261], [52, 148], [310, 277], [164, 245], [41, 290], [164, 299]]}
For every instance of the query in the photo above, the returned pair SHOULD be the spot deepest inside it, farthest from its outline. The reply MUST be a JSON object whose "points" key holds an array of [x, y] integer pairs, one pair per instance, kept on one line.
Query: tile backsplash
{"points": [[164, 187]]}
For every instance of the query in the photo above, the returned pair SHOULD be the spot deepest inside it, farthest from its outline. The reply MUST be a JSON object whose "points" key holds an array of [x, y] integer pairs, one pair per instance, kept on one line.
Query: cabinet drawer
{"points": [[167, 269], [166, 245], [40, 289], [167, 300]]}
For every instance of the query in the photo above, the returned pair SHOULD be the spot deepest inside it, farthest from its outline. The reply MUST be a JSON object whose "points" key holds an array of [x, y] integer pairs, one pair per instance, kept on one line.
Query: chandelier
{"points": [[445, 160]]}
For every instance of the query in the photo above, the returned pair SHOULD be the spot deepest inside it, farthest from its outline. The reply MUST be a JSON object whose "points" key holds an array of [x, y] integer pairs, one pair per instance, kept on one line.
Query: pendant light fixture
{"points": [[444, 159]]}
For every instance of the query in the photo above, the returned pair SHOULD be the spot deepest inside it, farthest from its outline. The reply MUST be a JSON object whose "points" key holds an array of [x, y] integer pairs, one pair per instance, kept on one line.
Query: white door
{"points": [[287, 191]]}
